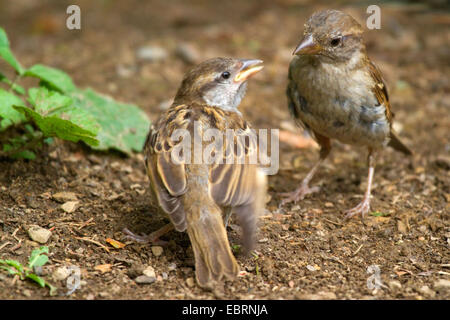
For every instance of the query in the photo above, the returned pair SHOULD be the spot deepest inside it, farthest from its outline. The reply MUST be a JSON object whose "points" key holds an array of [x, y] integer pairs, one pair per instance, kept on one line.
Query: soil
{"points": [[304, 251]]}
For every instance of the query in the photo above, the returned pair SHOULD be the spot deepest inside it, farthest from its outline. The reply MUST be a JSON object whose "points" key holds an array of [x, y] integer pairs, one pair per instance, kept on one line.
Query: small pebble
{"points": [[426, 291], [394, 285], [151, 53], [190, 282], [61, 274], [172, 266], [149, 272], [26, 293], [157, 251], [39, 234], [70, 206], [145, 280], [442, 285]]}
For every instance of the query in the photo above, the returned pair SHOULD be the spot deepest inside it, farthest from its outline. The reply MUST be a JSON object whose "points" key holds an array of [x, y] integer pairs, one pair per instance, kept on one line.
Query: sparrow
{"points": [[336, 92], [199, 196]]}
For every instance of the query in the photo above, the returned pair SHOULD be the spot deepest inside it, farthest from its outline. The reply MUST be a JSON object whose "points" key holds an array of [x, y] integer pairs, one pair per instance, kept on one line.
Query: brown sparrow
{"points": [[336, 92], [196, 194]]}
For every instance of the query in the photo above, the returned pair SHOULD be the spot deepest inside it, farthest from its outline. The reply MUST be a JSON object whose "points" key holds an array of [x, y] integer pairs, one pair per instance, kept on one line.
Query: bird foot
{"points": [[152, 238], [362, 208], [298, 194]]}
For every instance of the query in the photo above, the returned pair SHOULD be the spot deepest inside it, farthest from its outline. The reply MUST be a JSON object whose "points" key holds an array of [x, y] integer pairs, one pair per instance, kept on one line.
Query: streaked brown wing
{"points": [[380, 90], [241, 187], [167, 180]]}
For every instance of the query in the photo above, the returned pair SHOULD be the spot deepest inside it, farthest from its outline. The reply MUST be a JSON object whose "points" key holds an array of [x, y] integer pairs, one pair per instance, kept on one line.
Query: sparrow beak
{"points": [[248, 69], [307, 46]]}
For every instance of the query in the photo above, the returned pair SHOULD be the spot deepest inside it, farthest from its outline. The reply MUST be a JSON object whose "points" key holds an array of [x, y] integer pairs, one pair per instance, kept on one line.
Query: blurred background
{"points": [[138, 51]]}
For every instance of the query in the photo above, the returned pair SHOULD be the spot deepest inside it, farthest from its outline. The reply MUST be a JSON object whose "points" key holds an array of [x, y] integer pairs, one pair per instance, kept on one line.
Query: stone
{"points": [[394, 285], [39, 234], [70, 206], [151, 53], [149, 272], [145, 280], [190, 282], [157, 250], [426, 291], [442, 285], [61, 274]]}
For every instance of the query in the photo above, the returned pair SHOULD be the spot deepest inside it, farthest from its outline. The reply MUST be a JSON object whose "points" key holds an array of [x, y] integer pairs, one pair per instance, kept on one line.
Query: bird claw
{"points": [[362, 208], [149, 238], [298, 194]]}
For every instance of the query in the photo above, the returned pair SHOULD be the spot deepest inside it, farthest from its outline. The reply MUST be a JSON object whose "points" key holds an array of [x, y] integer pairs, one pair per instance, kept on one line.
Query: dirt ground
{"points": [[304, 251]]}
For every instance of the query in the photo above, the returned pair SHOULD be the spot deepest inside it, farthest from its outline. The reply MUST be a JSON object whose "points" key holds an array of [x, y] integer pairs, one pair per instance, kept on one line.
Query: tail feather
{"points": [[213, 256], [398, 145]]}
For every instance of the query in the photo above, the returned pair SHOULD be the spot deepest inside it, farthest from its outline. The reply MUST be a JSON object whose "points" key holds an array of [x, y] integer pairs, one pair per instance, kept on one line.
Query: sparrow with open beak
{"points": [[336, 92], [196, 195]]}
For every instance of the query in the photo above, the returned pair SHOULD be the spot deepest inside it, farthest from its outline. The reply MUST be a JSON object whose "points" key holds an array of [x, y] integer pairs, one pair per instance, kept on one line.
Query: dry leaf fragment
{"points": [[116, 244], [103, 268]]}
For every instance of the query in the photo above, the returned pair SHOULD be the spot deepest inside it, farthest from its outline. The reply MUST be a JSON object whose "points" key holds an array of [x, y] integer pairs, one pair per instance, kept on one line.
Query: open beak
{"points": [[248, 69], [307, 46]]}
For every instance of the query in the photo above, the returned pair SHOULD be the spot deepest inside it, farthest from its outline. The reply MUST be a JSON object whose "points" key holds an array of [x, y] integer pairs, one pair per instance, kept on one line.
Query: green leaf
{"points": [[47, 102], [37, 258], [36, 279], [8, 115], [379, 214], [6, 54], [52, 289], [124, 127], [25, 154], [55, 126], [52, 103], [51, 77], [14, 263], [15, 87], [10, 270]]}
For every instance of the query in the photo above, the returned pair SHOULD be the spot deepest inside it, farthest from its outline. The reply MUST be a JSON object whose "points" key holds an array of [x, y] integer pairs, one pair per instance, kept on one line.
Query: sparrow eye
{"points": [[335, 42], [226, 75]]}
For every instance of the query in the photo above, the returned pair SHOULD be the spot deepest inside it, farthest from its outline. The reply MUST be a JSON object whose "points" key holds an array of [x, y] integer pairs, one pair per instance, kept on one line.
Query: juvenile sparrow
{"points": [[336, 92], [195, 193]]}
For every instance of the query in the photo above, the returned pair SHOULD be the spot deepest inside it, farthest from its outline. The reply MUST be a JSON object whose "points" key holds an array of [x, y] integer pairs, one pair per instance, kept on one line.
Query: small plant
{"points": [[236, 248], [37, 259], [56, 108], [379, 214]]}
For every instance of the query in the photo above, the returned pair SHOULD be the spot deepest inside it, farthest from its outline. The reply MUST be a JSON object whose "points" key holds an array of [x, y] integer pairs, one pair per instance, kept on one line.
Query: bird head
{"points": [[219, 82], [331, 35]]}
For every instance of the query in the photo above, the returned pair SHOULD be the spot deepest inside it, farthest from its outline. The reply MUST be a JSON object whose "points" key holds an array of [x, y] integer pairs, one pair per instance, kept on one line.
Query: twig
{"points": [[357, 250], [92, 241], [330, 221], [5, 244], [84, 224], [17, 246], [14, 235]]}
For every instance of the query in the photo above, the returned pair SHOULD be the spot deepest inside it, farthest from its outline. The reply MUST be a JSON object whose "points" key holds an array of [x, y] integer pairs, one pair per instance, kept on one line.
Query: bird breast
{"points": [[338, 103]]}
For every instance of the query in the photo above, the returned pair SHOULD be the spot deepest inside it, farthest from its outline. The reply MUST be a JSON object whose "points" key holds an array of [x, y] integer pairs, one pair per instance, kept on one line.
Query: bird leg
{"points": [[152, 237], [364, 206], [304, 189]]}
